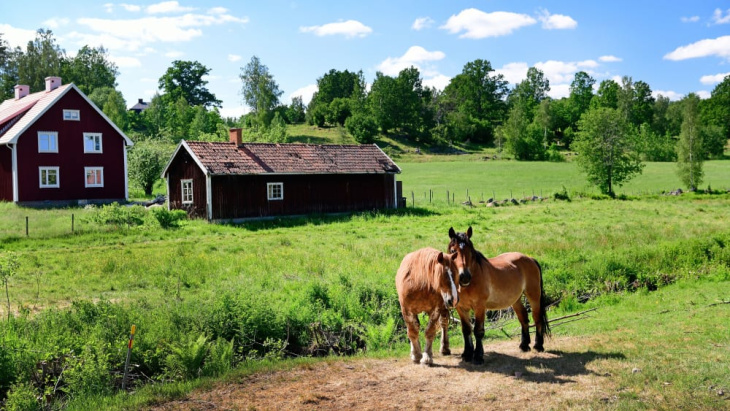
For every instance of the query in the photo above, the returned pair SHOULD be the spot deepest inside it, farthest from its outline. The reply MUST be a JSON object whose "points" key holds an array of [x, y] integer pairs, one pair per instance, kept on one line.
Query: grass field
{"points": [[326, 283]]}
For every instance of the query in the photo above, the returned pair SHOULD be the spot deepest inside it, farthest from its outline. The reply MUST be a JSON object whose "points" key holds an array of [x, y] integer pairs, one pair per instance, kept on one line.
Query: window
{"points": [[187, 191], [92, 142], [48, 142], [48, 177], [275, 191], [71, 115], [94, 176]]}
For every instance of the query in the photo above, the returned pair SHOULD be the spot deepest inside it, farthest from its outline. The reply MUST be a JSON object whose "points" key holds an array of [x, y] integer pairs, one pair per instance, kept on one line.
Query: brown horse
{"points": [[498, 283], [426, 282]]}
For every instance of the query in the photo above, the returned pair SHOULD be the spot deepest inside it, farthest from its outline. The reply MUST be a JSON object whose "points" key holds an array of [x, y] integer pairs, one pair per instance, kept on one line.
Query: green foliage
{"points": [[380, 337], [117, 215], [362, 127], [146, 162], [690, 148], [606, 148], [90, 69], [22, 397], [187, 357], [296, 112], [184, 80], [656, 147], [169, 218], [524, 139], [220, 357], [553, 154], [562, 195], [260, 91]]}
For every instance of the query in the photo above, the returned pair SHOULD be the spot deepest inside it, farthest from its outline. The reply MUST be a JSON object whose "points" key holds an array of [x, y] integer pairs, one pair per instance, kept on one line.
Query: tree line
{"points": [[613, 126]]}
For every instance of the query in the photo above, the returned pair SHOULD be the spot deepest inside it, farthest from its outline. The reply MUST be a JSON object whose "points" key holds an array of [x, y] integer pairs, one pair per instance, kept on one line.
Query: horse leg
{"points": [[444, 321], [431, 330], [538, 317], [521, 312], [413, 326], [479, 318], [468, 353]]}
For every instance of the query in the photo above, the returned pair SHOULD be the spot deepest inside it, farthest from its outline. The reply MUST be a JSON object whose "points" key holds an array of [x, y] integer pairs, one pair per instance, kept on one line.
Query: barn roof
{"points": [[220, 158], [17, 115]]}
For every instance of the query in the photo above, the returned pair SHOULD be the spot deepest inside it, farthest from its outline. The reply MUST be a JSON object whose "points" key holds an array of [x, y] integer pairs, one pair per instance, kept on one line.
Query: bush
{"points": [[169, 218], [554, 155], [562, 195], [117, 215], [362, 127], [22, 397]]}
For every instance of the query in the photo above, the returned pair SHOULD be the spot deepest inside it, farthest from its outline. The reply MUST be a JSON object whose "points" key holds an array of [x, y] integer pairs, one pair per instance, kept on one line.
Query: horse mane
{"points": [[424, 270]]}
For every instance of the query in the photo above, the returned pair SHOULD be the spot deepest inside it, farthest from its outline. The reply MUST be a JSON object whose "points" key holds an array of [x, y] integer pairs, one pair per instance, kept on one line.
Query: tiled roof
{"points": [[17, 115], [261, 158]]}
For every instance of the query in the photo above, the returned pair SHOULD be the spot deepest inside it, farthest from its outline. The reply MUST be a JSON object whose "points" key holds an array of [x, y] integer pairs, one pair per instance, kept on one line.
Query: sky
{"points": [[677, 47]]}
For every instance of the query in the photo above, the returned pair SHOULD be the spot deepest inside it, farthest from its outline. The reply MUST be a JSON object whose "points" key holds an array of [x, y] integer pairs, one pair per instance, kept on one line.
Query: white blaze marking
{"points": [[453, 286]]}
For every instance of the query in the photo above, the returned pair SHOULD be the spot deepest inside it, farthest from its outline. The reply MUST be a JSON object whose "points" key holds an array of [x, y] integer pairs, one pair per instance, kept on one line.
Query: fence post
{"points": [[413, 199], [26, 226], [448, 197], [129, 354], [72, 223]]}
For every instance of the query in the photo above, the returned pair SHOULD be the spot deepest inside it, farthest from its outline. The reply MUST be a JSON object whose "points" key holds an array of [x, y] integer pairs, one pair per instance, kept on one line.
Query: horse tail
{"points": [[543, 303]]}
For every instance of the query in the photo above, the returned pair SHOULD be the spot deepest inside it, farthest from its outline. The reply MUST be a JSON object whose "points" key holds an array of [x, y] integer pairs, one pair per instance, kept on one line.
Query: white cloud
{"points": [[513, 72], [349, 29], [125, 62], [16, 37], [305, 93], [414, 56], [477, 24], [558, 91], [167, 7], [693, 19], [218, 10], [234, 57], [55, 22], [704, 94], [673, 95], [133, 34], [719, 18], [559, 72], [713, 78], [610, 59], [422, 23], [708, 47], [109, 7], [131, 7], [174, 54], [556, 21], [234, 112], [438, 82]]}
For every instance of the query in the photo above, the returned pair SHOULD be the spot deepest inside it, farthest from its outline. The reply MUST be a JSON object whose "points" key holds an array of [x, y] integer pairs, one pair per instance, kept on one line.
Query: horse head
{"points": [[461, 246], [447, 279]]}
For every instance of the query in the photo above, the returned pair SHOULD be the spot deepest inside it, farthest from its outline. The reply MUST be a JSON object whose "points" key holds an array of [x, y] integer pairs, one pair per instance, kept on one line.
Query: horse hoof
{"points": [[416, 359], [539, 348], [426, 361], [467, 356], [446, 351], [525, 348], [477, 361]]}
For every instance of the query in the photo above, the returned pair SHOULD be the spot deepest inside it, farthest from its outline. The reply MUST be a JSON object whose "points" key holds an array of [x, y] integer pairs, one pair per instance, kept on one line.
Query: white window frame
{"points": [[271, 191], [186, 189], [71, 115], [99, 170], [45, 184], [52, 141], [95, 136]]}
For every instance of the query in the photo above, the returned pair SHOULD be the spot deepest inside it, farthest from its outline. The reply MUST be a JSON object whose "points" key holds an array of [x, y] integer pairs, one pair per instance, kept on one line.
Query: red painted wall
{"points": [[71, 158], [6, 174]]}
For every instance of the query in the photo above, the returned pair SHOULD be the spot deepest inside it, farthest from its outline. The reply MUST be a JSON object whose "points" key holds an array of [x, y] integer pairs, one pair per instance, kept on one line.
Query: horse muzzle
{"points": [[464, 278]]}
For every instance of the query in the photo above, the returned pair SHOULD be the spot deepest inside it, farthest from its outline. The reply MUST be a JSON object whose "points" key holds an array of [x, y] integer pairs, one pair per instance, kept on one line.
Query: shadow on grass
{"points": [[558, 368], [323, 219]]}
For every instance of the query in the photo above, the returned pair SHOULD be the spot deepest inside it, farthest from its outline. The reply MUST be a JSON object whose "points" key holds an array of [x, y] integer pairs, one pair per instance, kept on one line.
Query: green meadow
{"points": [[210, 299]]}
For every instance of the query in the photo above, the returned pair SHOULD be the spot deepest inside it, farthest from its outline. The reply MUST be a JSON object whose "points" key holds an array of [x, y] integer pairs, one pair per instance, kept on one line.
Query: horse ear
{"points": [[452, 234], [441, 258], [453, 257], [468, 232]]}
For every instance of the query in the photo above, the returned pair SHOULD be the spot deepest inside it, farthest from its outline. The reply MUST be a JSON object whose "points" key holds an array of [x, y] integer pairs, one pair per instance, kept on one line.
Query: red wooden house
{"points": [[57, 147], [230, 181]]}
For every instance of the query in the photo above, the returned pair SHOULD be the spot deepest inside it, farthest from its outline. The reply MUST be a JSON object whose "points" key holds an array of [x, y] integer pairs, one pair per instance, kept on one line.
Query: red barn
{"points": [[57, 147], [229, 181]]}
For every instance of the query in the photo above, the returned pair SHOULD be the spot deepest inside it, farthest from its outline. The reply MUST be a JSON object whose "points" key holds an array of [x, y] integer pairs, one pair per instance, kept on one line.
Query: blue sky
{"points": [[677, 47]]}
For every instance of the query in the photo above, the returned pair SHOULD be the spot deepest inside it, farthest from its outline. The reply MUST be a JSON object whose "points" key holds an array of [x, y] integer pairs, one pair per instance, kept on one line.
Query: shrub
{"points": [[169, 218], [22, 397], [380, 337], [554, 155], [187, 357], [362, 127], [562, 195], [118, 215]]}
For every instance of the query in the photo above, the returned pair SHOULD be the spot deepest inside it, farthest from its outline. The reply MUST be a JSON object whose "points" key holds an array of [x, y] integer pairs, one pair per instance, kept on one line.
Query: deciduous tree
{"points": [[690, 152], [260, 91], [185, 79]]}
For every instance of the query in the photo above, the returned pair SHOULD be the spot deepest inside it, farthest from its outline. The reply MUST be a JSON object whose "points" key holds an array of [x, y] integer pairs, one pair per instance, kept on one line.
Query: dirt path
{"points": [[566, 376]]}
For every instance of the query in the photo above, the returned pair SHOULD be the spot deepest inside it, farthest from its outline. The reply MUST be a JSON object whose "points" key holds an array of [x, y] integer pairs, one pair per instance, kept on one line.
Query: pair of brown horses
{"points": [[426, 282]]}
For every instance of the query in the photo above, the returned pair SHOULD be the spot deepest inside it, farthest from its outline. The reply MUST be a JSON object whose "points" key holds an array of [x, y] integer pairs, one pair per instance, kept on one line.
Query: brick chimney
{"points": [[235, 136], [21, 91], [52, 83]]}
